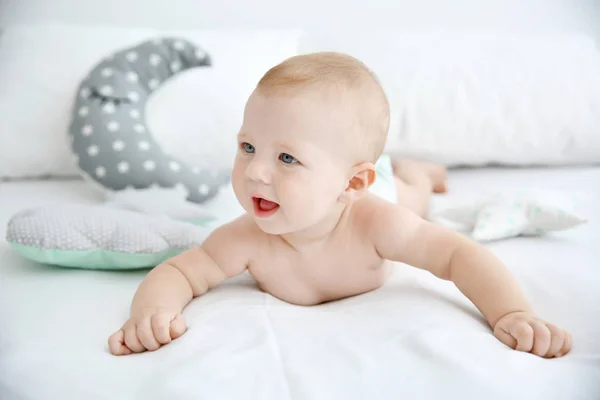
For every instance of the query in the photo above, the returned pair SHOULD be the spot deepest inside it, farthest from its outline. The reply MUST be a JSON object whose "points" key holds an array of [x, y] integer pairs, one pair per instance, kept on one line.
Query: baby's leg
{"points": [[415, 181]]}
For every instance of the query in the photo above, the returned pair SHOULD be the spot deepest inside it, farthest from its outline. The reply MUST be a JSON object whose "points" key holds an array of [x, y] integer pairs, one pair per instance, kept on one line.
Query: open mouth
{"points": [[264, 208]]}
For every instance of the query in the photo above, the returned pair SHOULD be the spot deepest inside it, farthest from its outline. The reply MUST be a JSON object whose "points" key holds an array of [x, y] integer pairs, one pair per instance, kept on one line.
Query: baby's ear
{"points": [[362, 177]]}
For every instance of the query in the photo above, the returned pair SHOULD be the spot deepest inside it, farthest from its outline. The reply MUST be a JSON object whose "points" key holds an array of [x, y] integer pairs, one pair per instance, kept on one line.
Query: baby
{"points": [[315, 230]]}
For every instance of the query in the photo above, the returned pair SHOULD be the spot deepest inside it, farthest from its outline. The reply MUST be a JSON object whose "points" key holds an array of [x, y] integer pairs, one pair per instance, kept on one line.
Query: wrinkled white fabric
{"points": [[417, 337]]}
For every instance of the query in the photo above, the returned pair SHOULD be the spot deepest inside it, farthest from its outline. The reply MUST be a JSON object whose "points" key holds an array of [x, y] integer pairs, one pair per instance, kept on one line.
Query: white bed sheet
{"points": [[416, 337]]}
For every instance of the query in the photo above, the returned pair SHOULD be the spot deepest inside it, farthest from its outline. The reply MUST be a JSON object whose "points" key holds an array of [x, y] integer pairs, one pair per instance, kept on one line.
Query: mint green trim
{"points": [[94, 258], [202, 222]]}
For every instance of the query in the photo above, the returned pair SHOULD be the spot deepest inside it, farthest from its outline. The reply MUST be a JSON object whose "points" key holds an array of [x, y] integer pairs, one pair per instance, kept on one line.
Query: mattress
{"points": [[415, 337]]}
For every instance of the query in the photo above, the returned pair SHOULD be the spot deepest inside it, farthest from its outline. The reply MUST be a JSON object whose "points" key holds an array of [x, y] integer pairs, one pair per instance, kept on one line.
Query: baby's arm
{"points": [[402, 236], [156, 317]]}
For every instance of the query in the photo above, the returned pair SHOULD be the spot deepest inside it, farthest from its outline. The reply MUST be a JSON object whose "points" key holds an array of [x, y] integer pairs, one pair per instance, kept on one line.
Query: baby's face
{"points": [[291, 165]]}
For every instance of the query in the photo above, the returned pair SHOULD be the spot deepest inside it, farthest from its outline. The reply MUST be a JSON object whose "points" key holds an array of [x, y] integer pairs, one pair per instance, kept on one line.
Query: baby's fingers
{"points": [[505, 337], [146, 336], [116, 344], [523, 334], [542, 338], [131, 339], [178, 326], [562, 342], [160, 326], [567, 345], [557, 341]]}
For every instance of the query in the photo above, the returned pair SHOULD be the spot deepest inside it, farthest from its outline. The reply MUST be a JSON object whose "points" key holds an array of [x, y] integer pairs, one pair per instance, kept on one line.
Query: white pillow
{"points": [[42, 66], [197, 115], [473, 99]]}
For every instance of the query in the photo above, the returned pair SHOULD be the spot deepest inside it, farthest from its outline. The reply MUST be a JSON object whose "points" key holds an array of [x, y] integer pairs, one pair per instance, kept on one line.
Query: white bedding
{"points": [[416, 337]]}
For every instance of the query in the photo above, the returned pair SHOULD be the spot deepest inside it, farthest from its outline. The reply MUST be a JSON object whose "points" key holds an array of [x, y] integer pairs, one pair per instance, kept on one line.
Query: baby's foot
{"points": [[438, 174]]}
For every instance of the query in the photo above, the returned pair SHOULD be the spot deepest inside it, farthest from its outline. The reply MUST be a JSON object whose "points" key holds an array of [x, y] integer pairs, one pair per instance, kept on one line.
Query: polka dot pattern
{"points": [[134, 97], [132, 76], [83, 228], [153, 83], [108, 130], [131, 56], [109, 108]]}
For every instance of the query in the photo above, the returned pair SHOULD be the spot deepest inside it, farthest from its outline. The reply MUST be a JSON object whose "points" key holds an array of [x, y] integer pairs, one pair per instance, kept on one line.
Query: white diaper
{"points": [[385, 183]]}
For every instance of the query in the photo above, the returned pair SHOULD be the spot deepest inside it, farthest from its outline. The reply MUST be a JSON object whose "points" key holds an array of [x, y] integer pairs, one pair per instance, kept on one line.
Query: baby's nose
{"points": [[259, 171]]}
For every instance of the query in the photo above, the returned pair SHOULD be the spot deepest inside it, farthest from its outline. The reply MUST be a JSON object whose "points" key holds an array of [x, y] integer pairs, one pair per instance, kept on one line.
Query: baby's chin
{"points": [[272, 227]]}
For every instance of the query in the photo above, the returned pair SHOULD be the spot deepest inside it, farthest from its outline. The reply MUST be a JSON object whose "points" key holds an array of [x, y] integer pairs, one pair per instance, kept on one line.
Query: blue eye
{"points": [[248, 148], [287, 159]]}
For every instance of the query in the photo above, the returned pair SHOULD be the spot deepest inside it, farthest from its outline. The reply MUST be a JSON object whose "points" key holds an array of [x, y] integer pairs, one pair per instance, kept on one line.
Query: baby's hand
{"points": [[524, 332], [148, 331]]}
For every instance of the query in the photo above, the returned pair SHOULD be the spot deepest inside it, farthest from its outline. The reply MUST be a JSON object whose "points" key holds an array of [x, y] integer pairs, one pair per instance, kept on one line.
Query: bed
{"points": [[457, 99], [416, 337]]}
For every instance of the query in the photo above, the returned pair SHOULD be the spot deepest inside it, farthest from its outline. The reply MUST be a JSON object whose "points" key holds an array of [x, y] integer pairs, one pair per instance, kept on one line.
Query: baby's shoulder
{"points": [[374, 217], [370, 211], [241, 231]]}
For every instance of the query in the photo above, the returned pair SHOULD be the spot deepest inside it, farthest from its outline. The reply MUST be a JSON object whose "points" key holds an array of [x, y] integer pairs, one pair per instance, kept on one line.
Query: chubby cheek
{"points": [[308, 200], [295, 200], [238, 183]]}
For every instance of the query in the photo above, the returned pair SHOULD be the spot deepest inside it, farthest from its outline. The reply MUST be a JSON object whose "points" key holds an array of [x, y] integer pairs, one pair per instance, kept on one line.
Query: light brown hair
{"points": [[347, 76]]}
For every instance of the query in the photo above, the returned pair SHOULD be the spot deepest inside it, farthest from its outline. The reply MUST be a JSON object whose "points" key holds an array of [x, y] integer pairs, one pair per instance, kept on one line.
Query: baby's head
{"points": [[313, 129]]}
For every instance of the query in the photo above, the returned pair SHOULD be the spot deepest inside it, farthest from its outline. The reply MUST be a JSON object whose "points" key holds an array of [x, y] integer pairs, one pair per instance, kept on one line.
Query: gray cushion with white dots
{"points": [[96, 237], [109, 137]]}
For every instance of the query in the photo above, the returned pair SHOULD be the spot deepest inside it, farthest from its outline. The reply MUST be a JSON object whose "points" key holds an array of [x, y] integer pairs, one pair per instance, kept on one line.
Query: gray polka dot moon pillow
{"points": [[98, 237], [111, 141]]}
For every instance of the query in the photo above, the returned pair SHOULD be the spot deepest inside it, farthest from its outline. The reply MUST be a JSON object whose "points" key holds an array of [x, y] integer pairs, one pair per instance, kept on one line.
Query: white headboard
{"points": [[318, 15]]}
